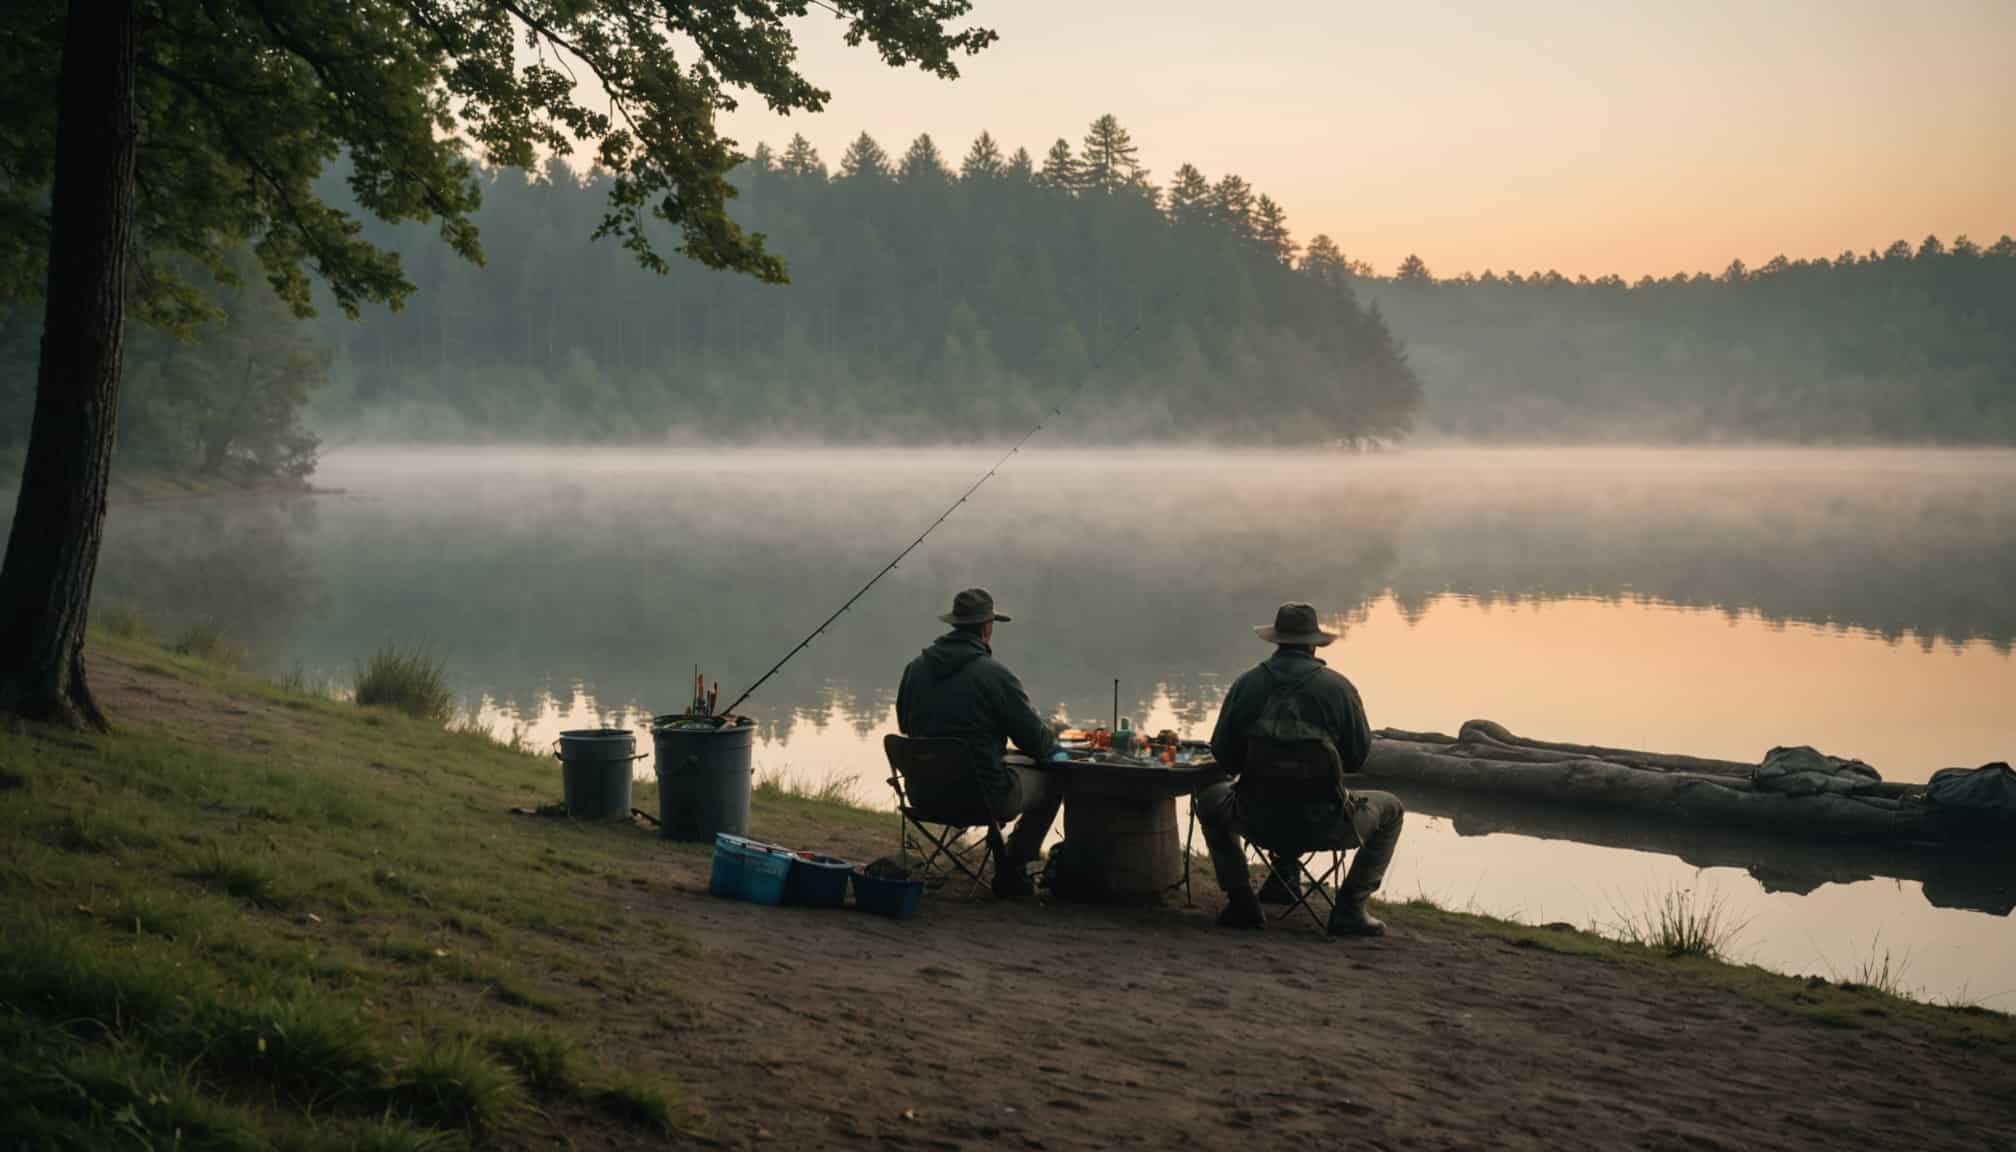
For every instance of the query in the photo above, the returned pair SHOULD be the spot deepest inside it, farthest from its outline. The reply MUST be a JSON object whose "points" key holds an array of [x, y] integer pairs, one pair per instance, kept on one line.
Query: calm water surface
{"points": [[1708, 602]]}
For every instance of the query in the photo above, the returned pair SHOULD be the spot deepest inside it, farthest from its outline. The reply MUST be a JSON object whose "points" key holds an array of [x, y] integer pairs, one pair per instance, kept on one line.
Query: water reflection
{"points": [[1710, 602]]}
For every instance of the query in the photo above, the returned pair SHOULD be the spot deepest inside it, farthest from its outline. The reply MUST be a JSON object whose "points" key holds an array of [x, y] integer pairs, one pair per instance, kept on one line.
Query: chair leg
{"points": [[1312, 889], [1189, 837]]}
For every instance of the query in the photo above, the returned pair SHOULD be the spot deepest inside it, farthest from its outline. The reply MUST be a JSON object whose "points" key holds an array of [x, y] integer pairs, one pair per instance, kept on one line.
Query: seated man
{"points": [[1294, 697], [956, 688]]}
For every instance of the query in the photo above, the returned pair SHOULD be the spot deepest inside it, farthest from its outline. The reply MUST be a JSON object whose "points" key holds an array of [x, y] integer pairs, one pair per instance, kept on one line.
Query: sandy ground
{"points": [[981, 1025]]}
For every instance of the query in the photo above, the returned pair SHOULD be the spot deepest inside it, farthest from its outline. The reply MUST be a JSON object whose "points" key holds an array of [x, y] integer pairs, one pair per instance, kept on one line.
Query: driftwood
{"points": [[1485, 759]]}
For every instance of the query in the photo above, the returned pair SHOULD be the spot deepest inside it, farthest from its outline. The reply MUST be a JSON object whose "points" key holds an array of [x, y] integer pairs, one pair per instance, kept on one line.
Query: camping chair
{"points": [[1286, 778], [938, 800]]}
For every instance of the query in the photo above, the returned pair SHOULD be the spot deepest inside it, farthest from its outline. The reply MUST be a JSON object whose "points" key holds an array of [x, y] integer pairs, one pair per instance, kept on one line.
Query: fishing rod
{"points": [[1055, 410]]}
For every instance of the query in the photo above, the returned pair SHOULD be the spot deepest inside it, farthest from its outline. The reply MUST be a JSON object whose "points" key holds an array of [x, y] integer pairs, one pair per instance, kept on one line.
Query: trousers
{"points": [[1032, 798], [1370, 823]]}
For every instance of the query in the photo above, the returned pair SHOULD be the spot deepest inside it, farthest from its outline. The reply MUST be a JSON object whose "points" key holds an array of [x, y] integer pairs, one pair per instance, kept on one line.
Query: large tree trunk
{"points": [[59, 517]]}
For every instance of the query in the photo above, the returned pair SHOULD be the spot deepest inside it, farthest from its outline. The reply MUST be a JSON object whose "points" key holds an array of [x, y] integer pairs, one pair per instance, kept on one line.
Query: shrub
{"points": [[1682, 923], [409, 680], [205, 641]]}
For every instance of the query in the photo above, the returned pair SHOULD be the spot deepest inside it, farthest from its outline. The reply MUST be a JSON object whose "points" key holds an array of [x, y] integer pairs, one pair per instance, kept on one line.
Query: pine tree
{"points": [[1111, 161], [1232, 206], [923, 163], [1189, 197], [1021, 167], [1324, 260], [1060, 168], [865, 160], [801, 160], [983, 160], [1270, 229], [1414, 268]]}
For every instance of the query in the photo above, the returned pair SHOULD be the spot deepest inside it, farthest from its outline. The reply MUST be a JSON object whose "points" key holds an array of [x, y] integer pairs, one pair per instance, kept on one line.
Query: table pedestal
{"points": [[1124, 850]]}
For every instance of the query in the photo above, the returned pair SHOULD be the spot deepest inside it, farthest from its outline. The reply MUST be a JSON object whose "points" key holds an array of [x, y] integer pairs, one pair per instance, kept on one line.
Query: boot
{"points": [[1283, 884], [1349, 918], [1011, 882], [1242, 910]]}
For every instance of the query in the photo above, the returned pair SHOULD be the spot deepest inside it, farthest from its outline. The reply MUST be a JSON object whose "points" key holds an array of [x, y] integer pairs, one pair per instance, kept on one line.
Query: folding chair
{"points": [[1284, 778], [939, 799]]}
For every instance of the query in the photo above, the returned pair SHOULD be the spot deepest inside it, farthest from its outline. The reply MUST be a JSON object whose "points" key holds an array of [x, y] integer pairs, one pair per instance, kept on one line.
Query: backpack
{"points": [[1291, 759]]}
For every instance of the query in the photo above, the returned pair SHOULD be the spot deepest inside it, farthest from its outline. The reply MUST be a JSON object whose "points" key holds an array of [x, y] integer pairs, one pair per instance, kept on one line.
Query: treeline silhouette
{"points": [[938, 301], [926, 302], [1902, 344]]}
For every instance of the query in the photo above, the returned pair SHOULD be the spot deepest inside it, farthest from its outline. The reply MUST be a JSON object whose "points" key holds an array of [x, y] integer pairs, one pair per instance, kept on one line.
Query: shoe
{"points": [[1281, 889], [1242, 910], [1349, 918], [1013, 884]]}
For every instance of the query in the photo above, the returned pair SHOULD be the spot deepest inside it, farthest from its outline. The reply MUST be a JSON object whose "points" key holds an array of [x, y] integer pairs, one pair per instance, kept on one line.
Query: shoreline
{"points": [[309, 860]]}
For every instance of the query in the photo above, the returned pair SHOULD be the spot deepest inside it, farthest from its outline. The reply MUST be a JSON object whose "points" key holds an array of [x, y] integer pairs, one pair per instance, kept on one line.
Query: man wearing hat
{"points": [[1293, 695], [957, 688]]}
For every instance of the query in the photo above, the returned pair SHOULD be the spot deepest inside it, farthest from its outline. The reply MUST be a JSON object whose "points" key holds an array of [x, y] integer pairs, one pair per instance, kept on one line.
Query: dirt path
{"points": [[982, 1025]]}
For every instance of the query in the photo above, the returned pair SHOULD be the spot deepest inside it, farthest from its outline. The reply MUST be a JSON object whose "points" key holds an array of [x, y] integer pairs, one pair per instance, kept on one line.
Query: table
{"points": [[1121, 842]]}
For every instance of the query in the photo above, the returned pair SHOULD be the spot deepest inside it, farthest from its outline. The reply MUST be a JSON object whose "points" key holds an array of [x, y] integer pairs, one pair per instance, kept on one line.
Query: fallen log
{"points": [[1485, 759]]}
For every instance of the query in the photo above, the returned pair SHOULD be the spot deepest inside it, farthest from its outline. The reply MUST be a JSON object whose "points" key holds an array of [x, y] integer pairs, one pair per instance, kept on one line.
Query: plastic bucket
{"points": [[896, 899], [765, 868], [817, 881], [703, 775], [595, 772]]}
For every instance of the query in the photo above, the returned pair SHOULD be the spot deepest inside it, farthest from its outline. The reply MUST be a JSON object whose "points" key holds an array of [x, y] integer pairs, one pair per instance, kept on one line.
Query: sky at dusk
{"points": [[1587, 137]]}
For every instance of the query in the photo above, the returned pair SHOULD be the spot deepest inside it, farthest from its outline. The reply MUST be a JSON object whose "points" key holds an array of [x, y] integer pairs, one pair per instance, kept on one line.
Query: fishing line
{"points": [[1055, 411]]}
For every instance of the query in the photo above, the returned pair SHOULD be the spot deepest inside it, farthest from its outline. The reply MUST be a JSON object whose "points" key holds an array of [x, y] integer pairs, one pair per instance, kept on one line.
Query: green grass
{"points": [[342, 939], [409, 680], [242, 877], [548, 1062], [641, 1105], [1880, 971], [839, 791], [1681, 922], [119, 619], [205, 641], [297, 681], [456, 1083]]}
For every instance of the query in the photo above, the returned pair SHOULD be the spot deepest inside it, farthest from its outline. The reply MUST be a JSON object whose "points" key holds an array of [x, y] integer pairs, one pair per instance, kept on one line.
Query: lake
{"points": [[1714, 602]]}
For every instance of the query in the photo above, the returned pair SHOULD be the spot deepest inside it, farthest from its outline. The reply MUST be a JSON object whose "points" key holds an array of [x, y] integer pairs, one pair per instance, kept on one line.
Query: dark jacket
{"points": [[1327, 693], [956, 688]]}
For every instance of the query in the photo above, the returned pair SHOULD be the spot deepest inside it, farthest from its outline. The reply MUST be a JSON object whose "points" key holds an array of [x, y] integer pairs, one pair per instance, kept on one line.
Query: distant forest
{"points": [[934, 298], [1903, 344], [930, 298]]}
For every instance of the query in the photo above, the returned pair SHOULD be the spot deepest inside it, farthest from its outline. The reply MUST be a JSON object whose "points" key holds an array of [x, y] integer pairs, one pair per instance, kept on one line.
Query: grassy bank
{"points": [[255, 917]]}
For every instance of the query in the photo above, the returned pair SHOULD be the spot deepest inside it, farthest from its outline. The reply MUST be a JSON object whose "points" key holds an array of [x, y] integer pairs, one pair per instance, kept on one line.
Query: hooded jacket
{"points": [[957, 688]]}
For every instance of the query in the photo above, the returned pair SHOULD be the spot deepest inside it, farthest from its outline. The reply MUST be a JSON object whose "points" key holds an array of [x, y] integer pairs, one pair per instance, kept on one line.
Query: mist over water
{"points": [[1713, 602]]}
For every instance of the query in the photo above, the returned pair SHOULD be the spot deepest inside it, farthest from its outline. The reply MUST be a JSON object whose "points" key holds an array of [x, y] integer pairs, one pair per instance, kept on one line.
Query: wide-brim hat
{"points": [[973, 606], [1295, 623]]}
